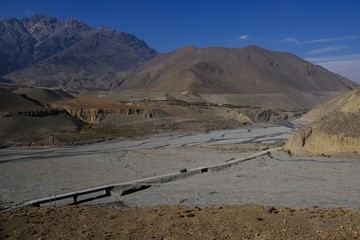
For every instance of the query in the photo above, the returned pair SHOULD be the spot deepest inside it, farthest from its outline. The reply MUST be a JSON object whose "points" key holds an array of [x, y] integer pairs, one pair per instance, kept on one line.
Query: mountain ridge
{"points": [[49, 52], [71, 55], [223, 70]]}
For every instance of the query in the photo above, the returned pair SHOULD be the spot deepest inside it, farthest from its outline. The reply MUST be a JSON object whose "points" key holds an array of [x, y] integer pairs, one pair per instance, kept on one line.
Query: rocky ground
{"points": [[180, 222]]}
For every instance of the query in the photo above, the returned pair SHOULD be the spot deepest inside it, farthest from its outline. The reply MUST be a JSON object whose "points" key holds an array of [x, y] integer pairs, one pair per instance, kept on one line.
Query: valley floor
{"points": [[315, 190]]}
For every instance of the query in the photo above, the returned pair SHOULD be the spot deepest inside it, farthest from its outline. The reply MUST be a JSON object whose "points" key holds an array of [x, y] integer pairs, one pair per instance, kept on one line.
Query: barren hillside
{"points": [[241, 71], [247, 76], [335, 131]]}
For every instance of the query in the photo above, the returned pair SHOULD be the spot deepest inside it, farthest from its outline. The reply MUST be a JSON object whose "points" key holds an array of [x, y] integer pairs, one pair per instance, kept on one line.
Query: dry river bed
{"points": [[275, 179]]}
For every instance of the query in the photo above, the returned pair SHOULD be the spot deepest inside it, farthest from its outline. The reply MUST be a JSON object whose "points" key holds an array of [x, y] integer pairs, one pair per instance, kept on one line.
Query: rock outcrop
{"points": [[334, 133]]}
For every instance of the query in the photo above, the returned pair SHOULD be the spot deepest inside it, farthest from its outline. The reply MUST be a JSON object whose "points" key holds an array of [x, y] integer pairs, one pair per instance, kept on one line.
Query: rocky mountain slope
{"points": [[47, 51], [336, 132]]}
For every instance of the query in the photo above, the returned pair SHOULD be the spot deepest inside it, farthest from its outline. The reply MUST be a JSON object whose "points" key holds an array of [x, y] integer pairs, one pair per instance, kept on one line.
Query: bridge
{"points": [[139, 184]]}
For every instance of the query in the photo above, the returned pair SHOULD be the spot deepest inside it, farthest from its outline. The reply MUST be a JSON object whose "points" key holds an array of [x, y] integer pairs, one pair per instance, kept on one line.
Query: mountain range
{"points": [[45, 51]]}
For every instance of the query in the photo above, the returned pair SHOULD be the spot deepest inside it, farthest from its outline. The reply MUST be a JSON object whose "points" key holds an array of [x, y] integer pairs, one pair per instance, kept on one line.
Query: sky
{"points": [[326, 33]]}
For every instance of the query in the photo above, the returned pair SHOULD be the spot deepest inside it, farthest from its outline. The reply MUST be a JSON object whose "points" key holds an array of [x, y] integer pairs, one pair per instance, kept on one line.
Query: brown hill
{"points": [[238, 71], [334, 133], [13, 102], [247, 76], [24, 120], [43, 95], [44, 127]]}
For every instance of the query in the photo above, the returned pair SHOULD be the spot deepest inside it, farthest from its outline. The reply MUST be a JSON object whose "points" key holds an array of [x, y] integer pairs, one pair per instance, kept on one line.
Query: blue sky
{"points": [[323, 32]]}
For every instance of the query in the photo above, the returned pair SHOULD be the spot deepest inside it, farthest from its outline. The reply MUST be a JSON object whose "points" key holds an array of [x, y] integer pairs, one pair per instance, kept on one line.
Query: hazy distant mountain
{"points": [[234, 71], [46, 51]]}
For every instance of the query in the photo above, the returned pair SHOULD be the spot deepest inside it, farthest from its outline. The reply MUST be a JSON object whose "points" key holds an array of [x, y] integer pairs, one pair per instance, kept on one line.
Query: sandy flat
{"points": [[269, 180], [30, 173]]}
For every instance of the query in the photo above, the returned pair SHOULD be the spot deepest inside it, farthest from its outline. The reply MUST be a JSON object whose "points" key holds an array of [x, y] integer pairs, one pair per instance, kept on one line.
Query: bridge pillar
{"points": [[108, 191]]}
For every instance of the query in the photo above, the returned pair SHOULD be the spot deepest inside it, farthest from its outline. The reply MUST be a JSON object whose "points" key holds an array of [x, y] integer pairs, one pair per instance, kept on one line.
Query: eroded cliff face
{"points": [[97, 115], [265, 115], [332, 144], [255, 115], [314, 141], [335, 133], [297, 141]]}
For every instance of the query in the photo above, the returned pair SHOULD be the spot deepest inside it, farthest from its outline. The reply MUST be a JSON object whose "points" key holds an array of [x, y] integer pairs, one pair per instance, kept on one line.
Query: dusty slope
{"points": [[241, 71], [322, 109], [179, 222], [336, 132]]}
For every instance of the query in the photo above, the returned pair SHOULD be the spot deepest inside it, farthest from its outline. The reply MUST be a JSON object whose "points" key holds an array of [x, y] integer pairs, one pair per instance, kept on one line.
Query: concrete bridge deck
{"points": [[140, 184]]}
